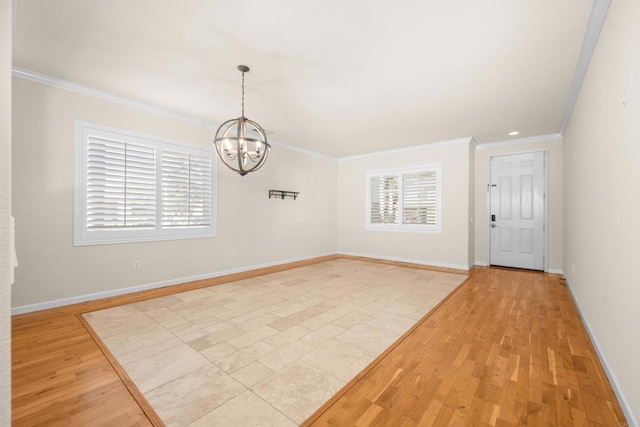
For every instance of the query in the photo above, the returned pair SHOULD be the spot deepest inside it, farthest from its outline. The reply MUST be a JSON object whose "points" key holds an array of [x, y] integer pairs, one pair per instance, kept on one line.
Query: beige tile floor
{"points": [[269, 350]]}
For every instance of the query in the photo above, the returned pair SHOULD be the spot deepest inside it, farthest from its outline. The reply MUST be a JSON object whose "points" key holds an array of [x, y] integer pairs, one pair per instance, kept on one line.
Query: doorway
{"points": [[517, 210]]}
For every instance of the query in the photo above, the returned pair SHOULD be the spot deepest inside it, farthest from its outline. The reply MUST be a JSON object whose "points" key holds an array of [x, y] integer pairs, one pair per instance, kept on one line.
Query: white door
{"points": [[516, 213]]}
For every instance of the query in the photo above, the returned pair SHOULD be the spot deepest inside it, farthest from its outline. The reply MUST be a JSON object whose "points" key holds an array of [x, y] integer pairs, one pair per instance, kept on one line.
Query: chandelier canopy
{"points": [[241, 143]]}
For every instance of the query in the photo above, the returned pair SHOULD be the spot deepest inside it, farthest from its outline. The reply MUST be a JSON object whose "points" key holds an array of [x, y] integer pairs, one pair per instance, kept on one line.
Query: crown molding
{"points": [[519, 141], [302, 150], [467, 140], [594, 26], [35, 76]]}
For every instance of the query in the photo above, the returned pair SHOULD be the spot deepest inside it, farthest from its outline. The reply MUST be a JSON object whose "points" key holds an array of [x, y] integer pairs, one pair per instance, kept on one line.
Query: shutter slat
{"points": [[120, 185], [384, 195], [185, 190], [398, 198], [419, 198]]}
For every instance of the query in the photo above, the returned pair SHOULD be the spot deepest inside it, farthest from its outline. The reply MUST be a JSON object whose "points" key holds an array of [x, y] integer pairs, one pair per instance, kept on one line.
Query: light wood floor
{"points": [[508, 348]]}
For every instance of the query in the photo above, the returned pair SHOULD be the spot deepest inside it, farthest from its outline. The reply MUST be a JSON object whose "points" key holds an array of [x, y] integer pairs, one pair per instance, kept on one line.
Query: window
{"points": [[404, 200], [134, 188]]}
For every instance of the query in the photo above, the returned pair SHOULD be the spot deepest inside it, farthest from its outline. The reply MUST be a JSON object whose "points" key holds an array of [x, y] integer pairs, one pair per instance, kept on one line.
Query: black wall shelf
{"points": [[281, 194]]}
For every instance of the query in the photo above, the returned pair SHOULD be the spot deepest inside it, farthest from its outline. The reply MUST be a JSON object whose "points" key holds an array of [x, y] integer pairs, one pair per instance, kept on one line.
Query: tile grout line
{"points": [[261, 295]]}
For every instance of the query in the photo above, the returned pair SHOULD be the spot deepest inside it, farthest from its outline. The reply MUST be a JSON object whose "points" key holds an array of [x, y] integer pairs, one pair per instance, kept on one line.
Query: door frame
{"points": [[545, 219]]}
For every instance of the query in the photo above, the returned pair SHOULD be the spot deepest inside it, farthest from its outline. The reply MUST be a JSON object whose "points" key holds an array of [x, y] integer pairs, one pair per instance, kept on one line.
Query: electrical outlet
{"points": [[573, 268], [137, 265]]}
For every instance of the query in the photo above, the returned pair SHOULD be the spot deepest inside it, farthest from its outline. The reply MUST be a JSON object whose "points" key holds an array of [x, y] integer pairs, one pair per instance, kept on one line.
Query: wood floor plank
{"points": [[508, 348]]}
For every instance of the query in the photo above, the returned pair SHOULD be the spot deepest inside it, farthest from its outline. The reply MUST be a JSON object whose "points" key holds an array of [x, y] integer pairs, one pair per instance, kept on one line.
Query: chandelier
{"points": [[242, 143]]}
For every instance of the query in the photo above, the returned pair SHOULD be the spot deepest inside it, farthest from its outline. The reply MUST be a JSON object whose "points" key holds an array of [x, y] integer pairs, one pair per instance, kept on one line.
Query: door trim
{"points": [[545, 219]]}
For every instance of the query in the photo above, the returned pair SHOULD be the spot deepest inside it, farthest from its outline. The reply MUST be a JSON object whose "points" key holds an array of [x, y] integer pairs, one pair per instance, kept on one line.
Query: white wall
{"points": [[602, 204], [450, 248], [553, 145], [5, 212], [252, 229]]}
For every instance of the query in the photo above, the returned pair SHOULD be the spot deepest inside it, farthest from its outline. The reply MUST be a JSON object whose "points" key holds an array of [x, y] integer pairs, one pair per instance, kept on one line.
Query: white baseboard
{"points": [[412, 261], [551, 270], [122, 291], [624, 404]]}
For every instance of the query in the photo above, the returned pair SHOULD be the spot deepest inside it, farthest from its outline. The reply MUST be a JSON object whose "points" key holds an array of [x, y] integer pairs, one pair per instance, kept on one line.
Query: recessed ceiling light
{"points": [[514, 133]]}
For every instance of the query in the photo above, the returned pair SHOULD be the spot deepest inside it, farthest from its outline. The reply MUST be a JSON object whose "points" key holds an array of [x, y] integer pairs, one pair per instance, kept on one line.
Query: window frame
{"points": [[400, 226], [82, 236]]}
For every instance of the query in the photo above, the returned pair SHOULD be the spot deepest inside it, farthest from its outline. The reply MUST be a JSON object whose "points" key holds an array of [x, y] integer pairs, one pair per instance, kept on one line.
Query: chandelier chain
{"points": [[243, 94]]}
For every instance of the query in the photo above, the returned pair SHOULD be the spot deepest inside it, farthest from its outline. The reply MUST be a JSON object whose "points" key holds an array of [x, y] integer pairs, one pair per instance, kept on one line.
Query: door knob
{"points": [[494, 225]]}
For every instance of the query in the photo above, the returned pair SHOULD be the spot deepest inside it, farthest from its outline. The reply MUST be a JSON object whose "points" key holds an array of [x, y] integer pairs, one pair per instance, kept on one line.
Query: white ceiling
{"points": [[335, 77]]}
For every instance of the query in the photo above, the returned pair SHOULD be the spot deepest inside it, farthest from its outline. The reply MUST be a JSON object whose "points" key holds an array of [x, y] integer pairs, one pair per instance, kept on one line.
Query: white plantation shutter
{"points": [[120, 185], [134, 188], [404, 200], [384, 197], [419, 198], [186, 189]]}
